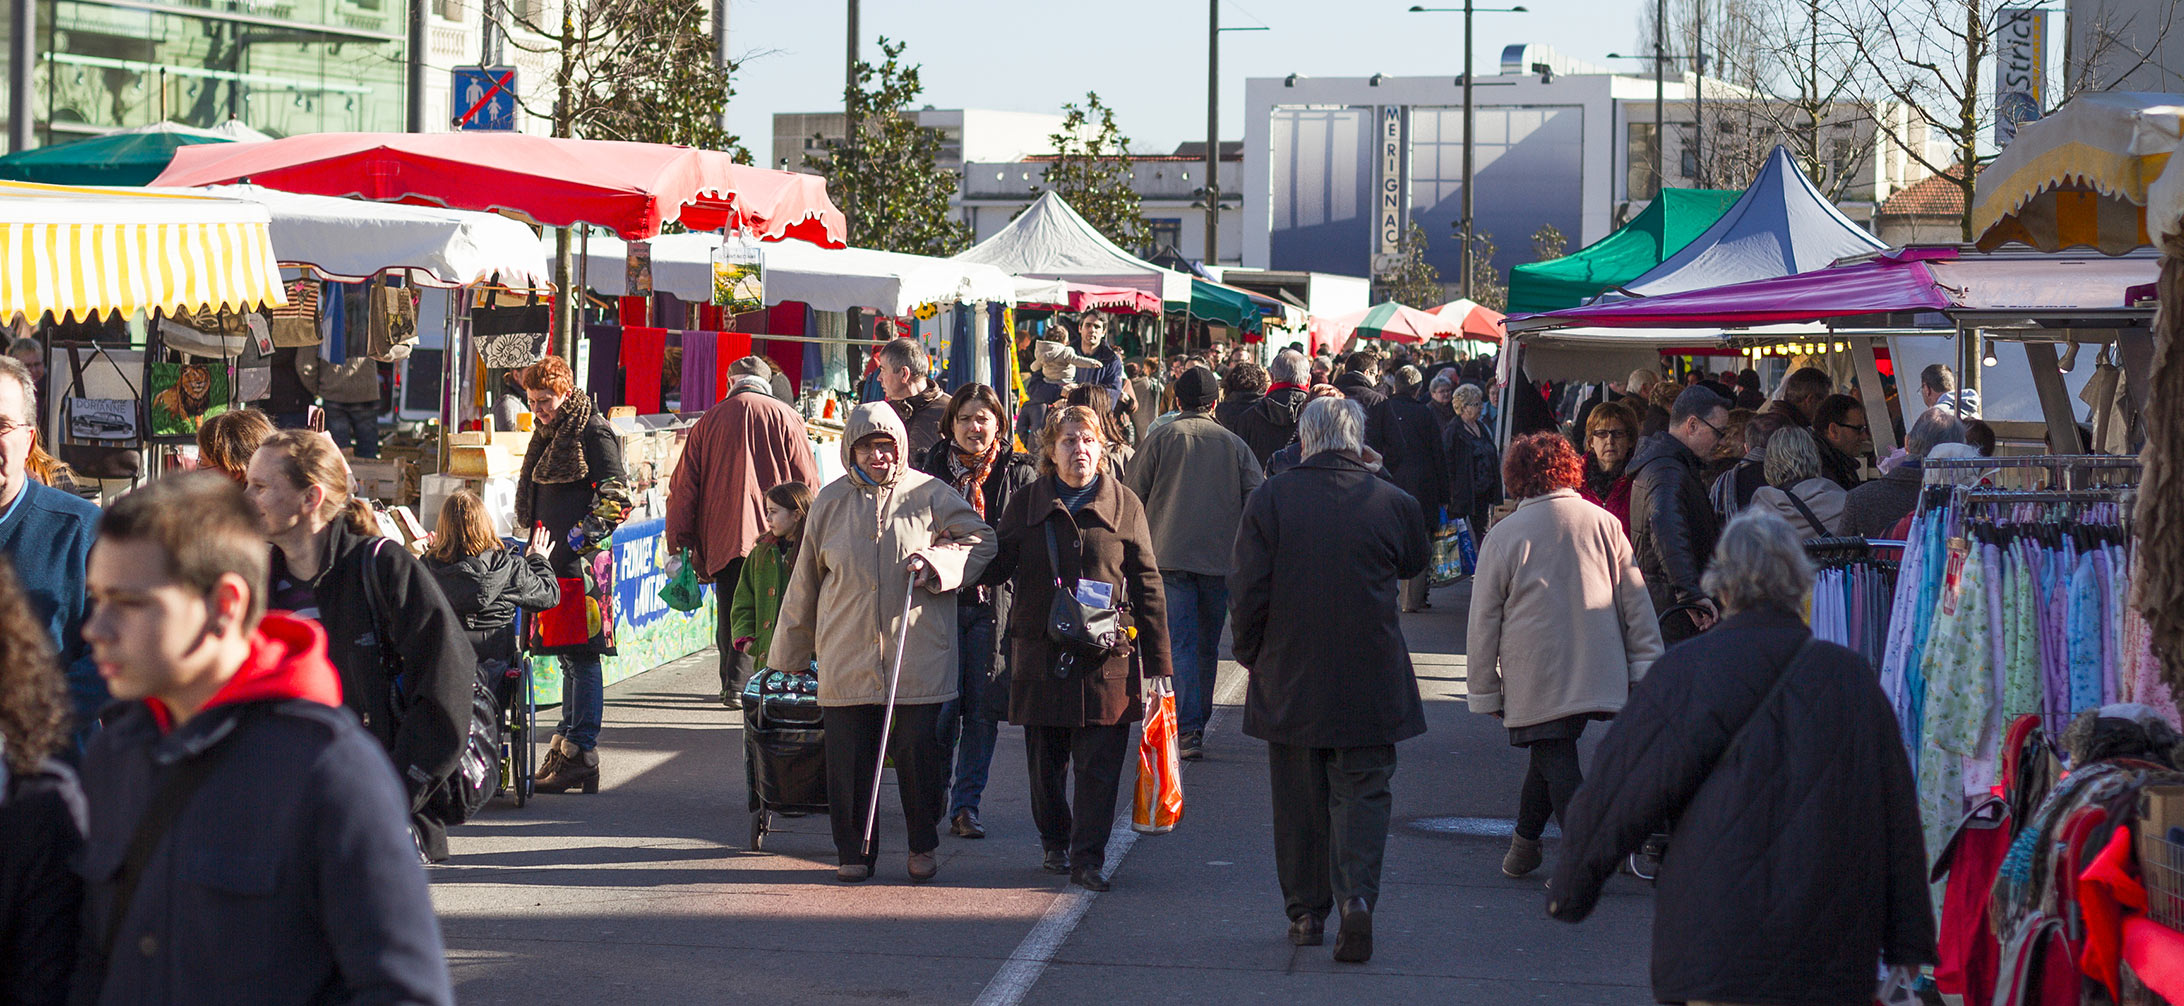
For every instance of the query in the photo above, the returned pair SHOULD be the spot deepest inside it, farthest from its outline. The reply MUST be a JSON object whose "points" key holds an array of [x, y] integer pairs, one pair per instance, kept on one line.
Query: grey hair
{"points": [[1934, 427], [1331, 424], [1469, 394], [1405, 378], [1952, 476], [1290, 367], [1792, 457], [1758, 561], [904, 353], [751, 366], [11, 367], [1441, 380]]}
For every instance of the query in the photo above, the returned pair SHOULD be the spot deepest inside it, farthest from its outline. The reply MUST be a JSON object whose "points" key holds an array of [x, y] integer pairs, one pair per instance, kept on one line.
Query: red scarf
{"points": [[971, 471], [1283, 385]]}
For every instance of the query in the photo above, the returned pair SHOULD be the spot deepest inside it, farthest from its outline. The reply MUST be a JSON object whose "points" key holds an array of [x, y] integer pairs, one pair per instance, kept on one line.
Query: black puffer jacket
{"points": [[1408, 438], [1360, 389], [1792, 862], [1271, 422], [1474, 471], [486, 589], [1672, 527]]}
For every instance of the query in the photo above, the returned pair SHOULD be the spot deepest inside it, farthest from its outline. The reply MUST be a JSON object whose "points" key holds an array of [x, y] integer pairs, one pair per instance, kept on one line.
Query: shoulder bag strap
{"points": [[1780, 680], [181, 782], [1054, 561], [1819, 529]]}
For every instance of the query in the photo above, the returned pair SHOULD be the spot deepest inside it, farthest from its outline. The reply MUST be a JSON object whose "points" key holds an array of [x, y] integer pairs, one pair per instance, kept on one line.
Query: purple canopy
{"points": [[1899, 281]]}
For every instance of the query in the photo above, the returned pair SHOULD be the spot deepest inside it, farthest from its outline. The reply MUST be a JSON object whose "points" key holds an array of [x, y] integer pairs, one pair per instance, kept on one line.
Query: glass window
{"points": [[1640, 181], [1167, 231]]}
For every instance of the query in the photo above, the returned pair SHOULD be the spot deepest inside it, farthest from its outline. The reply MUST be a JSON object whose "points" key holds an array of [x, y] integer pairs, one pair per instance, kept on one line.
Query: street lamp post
{"points": [[1660, 123], [1213, 127], [1467, 10]]}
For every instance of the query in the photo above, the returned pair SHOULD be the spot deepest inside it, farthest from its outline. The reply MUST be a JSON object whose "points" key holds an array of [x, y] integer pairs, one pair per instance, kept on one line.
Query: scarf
{"points": [[970, 472], [556, 453]]}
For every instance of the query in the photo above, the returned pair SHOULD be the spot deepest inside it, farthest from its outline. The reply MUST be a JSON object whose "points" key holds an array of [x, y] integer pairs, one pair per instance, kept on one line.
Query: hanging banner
{"points": [[738, 275], [2020, 70], [1391, 202], [639, 269]]}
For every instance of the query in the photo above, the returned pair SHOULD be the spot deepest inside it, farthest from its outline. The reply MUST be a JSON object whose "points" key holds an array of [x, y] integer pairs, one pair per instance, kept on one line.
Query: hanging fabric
{"points": [[700, 371], [644, 355], [603, 378]]}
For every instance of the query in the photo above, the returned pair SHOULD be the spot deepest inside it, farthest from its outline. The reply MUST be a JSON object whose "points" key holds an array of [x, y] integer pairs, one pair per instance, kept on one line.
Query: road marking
{"points": [[1482, 827], [1024, 966]]}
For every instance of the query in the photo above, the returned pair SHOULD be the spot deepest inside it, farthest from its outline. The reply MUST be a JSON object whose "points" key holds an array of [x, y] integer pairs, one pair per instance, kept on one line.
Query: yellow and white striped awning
{"points": [[79, 251], [2079, 177]]}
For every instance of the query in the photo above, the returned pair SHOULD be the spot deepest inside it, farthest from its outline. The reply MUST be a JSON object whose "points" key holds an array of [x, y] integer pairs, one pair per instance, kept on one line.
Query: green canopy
{"points": [[1663, 229], [1223, 305], [126, 158]]}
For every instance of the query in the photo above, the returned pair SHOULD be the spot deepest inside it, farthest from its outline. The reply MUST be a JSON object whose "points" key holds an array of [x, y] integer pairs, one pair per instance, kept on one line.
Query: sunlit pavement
{"points": [[645, 893]]}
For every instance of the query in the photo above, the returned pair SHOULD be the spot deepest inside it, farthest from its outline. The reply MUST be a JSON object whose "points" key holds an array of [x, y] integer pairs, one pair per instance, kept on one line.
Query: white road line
{"points": [[1024, 966]]}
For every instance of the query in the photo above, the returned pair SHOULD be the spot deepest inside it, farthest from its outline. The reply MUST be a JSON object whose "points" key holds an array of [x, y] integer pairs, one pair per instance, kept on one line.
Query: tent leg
{"points": [[2047, 378], [1876, 404]]}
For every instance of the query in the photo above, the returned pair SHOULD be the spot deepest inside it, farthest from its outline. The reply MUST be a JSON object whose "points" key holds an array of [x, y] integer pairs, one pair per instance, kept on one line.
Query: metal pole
{"points": [[489, 34], [419, 41], [849, 116], [1468, 242], [1213, 132], [1660, 91], [1698, 106], [22, 60]]}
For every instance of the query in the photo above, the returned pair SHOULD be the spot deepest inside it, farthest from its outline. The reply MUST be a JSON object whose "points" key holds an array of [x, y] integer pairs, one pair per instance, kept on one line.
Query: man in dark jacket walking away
{"points": [[1360, 380], [1331, 685], [1794, 856], [747, 443], [906, 380], [1271, 422], [1408, 436], [1241, 388], [1194, 477], [1672, 523], [249, 841]]}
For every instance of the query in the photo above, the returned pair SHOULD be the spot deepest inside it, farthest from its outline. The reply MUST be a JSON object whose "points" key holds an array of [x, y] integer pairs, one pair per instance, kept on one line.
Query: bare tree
{"points": [[628, 70], [1928, 57], [2109, 49]]}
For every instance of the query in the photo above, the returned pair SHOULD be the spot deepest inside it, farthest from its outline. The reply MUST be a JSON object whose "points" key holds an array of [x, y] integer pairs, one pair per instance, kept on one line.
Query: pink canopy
{"points": [[630, 187], [1477, 320], [1897, 282], [1066, 295]]}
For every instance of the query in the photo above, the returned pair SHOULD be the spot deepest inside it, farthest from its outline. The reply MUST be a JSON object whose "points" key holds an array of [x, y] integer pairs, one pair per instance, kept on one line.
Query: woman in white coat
{"points": [[867, 532], [1561, 626]]}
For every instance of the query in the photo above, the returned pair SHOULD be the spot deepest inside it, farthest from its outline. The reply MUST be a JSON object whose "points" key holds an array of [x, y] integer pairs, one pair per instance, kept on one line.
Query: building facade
{"points": [[966, 134], [1170, 188], [284, 67], [1336, 169]]}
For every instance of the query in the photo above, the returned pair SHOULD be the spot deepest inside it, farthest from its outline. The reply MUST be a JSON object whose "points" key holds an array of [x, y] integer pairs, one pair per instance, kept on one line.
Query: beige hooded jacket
{"points": [[846, 593]]}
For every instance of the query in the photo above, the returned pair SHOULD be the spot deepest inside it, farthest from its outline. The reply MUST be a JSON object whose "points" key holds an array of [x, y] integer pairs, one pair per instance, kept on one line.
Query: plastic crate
{"points": [[2161, 864]]}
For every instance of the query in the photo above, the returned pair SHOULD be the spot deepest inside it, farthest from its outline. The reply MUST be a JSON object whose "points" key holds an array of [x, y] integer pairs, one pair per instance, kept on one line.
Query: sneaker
{"points": [[1524, 856], [1192, 746]]}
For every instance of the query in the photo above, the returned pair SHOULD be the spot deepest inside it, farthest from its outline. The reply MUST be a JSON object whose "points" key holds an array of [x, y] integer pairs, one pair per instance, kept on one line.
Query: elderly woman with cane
{"points": [[1084, 529], [872, 600]]}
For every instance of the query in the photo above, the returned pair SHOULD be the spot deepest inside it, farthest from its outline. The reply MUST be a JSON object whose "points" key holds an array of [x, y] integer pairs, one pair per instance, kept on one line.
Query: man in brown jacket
{"points": [[716, 503]]}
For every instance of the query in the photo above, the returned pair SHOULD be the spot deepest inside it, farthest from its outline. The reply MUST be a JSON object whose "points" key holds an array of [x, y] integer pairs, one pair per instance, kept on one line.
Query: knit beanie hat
{"points": [[1197, 388]]}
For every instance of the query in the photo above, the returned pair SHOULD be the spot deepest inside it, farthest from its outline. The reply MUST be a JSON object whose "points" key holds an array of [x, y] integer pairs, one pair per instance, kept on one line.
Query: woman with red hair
{"points": [[1561, 626]]}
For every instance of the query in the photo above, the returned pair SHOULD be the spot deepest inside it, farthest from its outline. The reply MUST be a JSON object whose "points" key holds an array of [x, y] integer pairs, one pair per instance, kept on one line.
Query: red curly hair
{"points": [[1540, 464]]}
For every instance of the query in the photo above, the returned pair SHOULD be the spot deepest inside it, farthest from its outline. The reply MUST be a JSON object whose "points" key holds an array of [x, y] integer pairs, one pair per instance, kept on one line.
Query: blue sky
{"points": [[1146, 58]]}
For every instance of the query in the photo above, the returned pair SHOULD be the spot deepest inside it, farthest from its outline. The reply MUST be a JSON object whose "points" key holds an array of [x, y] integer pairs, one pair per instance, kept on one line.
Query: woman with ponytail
{"points": [[330, 565]]}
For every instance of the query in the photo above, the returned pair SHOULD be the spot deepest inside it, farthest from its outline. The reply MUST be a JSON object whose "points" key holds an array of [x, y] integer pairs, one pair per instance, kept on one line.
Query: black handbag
{"points": [[1078, 628], [99, 437]]}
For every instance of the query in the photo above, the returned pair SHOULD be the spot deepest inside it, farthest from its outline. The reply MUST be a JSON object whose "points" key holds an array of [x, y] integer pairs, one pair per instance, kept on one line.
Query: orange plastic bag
{"points": [[1159, 803]]}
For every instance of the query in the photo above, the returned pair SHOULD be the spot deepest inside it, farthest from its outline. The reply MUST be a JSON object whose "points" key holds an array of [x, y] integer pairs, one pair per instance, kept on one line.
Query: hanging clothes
{"points": [[700, 373], [644, 354]]}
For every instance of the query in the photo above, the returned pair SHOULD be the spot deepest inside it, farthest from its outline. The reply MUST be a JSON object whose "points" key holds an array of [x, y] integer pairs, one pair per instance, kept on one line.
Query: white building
{"points": [[1336, 168], [1170, 188], [966, 134]]}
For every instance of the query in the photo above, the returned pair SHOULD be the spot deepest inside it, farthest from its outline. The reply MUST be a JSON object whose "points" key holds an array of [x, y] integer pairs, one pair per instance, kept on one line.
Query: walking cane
{"points": [[887, 724]]}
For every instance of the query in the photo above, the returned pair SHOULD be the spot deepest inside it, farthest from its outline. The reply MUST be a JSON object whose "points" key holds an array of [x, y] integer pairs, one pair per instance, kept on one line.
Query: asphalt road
{"points": [[645, 892]]}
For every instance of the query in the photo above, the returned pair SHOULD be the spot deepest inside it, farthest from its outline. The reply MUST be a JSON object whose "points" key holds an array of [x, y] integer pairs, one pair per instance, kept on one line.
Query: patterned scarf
{"points": [[970, 474]]}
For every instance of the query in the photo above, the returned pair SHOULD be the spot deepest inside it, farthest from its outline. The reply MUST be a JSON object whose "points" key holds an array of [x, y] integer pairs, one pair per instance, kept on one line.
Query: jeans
{"points": [[1197, 609], [583, 699], [964, 726], [1548, 785], [1331, 812], [354, 421]]}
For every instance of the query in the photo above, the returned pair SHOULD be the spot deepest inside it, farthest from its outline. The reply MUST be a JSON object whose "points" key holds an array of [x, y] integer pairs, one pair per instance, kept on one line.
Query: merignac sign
{"points": [[2020, 69], [1391, 191]]}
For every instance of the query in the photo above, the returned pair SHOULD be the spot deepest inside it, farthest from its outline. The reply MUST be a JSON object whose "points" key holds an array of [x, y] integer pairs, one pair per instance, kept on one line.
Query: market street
{"points": [[645, 892]]}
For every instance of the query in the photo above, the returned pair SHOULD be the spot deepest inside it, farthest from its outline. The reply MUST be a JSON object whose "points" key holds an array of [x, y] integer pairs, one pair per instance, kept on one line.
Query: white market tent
{"points": [[827, 279], [350, 240], [1051, 241], [83, 250], [1781, 226]]}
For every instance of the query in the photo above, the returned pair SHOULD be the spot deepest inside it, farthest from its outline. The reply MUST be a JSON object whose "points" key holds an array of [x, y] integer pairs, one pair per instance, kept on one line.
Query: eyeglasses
{"points": [[8, 426], [1862, 427], [1718, 431], [1613, 435]]}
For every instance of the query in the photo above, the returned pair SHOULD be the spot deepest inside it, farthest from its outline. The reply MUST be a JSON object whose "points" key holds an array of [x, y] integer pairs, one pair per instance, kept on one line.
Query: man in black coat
{"points": [[249, 842], [1331, 690], [1672, 523], [1795, 857], [1360, 380], [1271, 423], [1408, 436]]}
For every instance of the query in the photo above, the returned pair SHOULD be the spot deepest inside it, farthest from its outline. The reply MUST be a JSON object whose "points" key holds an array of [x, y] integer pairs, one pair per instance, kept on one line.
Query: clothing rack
{"points": [[2065, 471]]}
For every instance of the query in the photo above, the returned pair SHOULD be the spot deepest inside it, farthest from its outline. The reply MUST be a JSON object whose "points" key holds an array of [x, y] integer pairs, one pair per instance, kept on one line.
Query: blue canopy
{"points": [[1781, 226]]}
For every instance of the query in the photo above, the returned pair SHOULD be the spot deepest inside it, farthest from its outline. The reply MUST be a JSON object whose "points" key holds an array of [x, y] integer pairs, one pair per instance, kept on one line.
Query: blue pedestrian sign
{"points": [[484, 98]]}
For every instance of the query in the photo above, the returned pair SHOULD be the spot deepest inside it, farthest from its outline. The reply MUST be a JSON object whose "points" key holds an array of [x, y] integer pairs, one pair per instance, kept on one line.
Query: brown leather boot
{"points": [[565, 768]]}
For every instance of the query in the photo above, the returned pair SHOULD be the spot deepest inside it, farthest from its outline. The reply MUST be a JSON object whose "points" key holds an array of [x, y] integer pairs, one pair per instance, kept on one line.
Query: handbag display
{"points": [[296, 324], [1079, 627], [99, 436], [393, 322], [221, 335]]}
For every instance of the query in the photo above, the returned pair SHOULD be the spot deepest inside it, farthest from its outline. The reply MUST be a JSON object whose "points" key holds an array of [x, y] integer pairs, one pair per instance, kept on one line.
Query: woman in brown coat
{"points": [[1076, 709]]}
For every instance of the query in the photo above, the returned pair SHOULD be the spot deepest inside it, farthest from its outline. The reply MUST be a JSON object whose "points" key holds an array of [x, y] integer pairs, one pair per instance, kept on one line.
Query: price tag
{"points": [[1952, 578]]}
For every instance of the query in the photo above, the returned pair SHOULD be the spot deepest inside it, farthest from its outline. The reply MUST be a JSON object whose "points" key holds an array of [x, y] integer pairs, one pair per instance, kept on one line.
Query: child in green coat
{"points": [[765, 574]]}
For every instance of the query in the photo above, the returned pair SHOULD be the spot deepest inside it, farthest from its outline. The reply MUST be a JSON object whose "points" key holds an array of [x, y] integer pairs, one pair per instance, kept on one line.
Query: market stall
{"points": [[1670, 221], [1781, 225], [122, 157]]}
